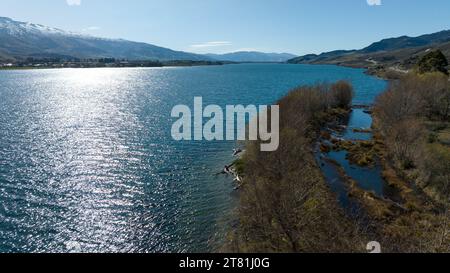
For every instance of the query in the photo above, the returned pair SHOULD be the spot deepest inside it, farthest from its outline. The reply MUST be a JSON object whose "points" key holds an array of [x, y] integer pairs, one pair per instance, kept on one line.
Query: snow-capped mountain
{"points": [[20, 40], [22, 28]]}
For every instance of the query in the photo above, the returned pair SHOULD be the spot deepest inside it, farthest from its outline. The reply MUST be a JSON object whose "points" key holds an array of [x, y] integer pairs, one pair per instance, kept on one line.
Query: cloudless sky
{"points": [[217, 26]]}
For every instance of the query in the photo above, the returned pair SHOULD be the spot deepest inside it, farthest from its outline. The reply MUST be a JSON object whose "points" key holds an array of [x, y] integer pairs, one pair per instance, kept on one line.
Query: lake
{"points": [[87, 162]]}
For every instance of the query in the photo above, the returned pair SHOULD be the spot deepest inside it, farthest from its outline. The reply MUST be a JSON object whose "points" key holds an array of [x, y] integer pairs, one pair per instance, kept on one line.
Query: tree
{"points": [[343, 94], [435, 61]]}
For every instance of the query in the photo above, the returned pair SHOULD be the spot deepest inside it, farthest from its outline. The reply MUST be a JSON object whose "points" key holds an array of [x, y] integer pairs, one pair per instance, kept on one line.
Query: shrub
{"points": [[402, 113], [343, 93], [401, 101], [426, 96], [405, 142], [435, 91], [434, 61]]}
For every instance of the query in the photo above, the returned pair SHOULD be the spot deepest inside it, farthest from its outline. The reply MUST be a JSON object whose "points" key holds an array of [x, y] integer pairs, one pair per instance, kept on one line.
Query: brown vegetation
{"points": [[361, 153], [409, 119], [285, 204], [405, 116]]}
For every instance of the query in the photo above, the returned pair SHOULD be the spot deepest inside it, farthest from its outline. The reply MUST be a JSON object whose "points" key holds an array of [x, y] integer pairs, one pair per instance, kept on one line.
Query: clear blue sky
{"points": [[217, 26]]}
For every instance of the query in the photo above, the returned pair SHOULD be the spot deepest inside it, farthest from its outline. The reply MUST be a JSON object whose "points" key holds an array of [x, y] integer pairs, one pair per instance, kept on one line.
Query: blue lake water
{"points": [[367, 178], [87, 162], [358, 120]]}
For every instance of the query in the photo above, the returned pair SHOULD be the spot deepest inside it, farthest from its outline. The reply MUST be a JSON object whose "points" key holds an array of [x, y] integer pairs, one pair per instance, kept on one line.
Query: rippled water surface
{"points": [[87, 162]]}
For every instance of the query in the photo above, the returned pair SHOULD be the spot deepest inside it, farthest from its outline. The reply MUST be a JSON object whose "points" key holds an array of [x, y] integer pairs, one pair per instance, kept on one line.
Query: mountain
{"points": [[401, 53], [324, 56], [408, 42], [20, 40], [252, 56]]}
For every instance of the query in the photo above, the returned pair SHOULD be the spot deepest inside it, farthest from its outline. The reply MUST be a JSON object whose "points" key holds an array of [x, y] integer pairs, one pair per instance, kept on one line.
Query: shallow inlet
{"points": [[367, 178]]}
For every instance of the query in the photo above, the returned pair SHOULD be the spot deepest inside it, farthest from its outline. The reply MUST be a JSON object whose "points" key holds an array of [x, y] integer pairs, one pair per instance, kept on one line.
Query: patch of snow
{"points": [[18, 29]]}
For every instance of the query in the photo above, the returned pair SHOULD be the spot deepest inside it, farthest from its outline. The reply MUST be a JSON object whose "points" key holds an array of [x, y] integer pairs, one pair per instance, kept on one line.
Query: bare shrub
{"points": [[342, 93], [426, 95], [435, 91], [401, 112], [405, 141], [401, 101]]}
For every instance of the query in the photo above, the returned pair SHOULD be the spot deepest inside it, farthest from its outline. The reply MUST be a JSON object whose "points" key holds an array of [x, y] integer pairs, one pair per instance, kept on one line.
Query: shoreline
{"points": [[219, 63], [400, 201], [268, 212], [117, 65], [162, 65]]}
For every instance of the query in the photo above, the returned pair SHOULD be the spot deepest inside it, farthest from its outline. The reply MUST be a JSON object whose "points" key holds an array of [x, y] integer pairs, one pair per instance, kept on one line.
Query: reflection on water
{"points": [[367, 178], [87, 162], [359, 119]]}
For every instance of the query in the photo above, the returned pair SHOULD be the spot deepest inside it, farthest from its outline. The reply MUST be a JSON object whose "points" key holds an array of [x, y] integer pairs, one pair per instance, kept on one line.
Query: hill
{"points": [[20, 40], [408, 42], [252, 56], [399, 54]]}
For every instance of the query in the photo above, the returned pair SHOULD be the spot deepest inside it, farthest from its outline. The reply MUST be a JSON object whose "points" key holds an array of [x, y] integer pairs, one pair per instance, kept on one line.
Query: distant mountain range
{"points": [[252, 56], [20, 40], [399, 53]]}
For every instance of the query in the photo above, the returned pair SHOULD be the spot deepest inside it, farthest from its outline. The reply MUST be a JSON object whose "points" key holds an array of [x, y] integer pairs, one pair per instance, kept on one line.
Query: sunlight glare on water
{"points": [[87, 163]]}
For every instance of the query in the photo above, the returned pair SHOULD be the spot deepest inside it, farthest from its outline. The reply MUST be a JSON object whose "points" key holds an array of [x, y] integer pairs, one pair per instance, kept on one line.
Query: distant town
{"points": [[33, 63]]}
